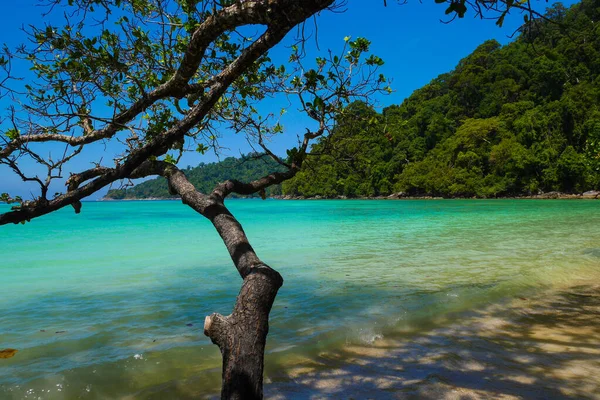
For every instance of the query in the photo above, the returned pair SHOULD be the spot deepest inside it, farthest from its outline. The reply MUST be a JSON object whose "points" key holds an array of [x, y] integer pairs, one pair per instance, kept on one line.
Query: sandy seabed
{"points": [[547, 347]]}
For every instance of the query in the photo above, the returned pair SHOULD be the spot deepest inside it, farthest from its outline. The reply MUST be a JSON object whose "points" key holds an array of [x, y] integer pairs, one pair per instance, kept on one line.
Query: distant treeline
{"points": [[509, 120], [205, 177]]}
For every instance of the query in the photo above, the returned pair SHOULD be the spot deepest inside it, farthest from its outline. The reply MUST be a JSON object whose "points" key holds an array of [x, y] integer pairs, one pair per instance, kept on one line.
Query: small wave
{"points": [[368, 336], [282, 348]]}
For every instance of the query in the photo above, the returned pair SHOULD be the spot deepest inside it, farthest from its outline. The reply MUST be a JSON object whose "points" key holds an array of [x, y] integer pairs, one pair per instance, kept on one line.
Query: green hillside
{"points": [[204, 177], [509, 120]]}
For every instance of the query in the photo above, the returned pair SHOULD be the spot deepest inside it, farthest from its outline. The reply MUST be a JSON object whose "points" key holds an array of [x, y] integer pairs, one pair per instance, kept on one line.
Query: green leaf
{"points": [[202, 149], [170, 159], [6, 198], [12, 134]]}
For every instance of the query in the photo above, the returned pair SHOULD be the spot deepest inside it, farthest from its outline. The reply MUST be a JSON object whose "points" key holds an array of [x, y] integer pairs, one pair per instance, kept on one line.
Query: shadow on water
{"points": [[542, 348], [546, 348]]}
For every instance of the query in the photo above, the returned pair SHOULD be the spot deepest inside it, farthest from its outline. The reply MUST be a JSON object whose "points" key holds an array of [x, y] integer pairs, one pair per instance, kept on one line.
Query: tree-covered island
{"points": [[509, 121], [163, 77]]}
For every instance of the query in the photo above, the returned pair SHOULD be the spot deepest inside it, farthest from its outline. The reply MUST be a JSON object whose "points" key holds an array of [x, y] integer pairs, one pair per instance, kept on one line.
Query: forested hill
{"points": [[205, 177], [514, 120], [509, 120]]}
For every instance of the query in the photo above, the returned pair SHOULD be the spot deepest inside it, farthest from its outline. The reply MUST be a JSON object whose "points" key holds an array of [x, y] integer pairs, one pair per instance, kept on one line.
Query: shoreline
{"points": [[590, 195], [433, 264]]}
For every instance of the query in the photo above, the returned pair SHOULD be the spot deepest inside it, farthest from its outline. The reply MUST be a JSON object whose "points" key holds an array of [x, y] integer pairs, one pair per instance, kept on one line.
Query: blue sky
{"points": [[415, 45]]}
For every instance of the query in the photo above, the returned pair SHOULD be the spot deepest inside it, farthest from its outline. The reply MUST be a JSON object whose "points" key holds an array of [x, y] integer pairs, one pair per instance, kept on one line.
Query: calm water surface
{"points": [[110, 303]]}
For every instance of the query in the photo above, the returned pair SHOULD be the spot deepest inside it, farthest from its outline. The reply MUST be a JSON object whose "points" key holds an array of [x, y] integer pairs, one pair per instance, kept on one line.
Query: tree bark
{"points": [[242, 335]]}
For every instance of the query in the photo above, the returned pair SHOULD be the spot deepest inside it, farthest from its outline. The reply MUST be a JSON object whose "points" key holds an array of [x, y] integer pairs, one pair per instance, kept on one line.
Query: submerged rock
{"points": [[594, 252], [8, 353]]}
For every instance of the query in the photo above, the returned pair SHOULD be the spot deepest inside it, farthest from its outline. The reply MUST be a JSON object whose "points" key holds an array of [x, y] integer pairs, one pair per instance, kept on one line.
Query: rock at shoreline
{"points": [[549, 195], [398, 195], [592, 194]]}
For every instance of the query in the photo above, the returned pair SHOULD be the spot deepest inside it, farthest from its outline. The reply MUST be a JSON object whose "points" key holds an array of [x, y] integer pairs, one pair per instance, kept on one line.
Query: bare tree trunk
{"points": [[242, 335]]}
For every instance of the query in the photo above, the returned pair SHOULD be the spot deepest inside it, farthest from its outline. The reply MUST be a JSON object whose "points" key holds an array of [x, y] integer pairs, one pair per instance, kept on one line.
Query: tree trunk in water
{"points": [[242, 335]]}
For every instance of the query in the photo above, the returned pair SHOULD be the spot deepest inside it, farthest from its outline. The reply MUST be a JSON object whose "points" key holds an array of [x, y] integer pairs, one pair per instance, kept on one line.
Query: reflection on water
{"points": [[110, 303]]}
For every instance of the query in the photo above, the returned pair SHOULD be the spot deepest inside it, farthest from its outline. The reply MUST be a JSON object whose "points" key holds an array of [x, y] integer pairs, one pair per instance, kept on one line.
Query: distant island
{"points": [[515, 121], [204, 177]]}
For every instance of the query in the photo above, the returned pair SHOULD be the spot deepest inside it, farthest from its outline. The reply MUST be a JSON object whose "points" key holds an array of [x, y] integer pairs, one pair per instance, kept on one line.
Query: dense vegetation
{"points": [[205, 177], [510, 120], [514, 120]]}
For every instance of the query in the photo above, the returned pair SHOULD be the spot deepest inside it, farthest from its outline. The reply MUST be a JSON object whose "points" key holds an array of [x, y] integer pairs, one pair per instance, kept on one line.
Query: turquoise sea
{"points": [[110, 304]]}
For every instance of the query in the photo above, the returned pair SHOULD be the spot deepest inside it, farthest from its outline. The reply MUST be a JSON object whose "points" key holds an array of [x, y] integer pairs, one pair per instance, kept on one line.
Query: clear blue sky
{"points": [[415, 45]]}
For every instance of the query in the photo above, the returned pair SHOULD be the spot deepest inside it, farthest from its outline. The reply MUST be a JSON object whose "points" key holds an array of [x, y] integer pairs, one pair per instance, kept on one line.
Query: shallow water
{"points": [[542, 347], [110, 303]]}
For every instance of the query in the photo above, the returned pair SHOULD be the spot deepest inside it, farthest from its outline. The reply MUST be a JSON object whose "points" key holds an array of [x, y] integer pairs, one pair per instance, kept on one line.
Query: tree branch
{"points": [[280, 26], [279, 15], [234, 186]]}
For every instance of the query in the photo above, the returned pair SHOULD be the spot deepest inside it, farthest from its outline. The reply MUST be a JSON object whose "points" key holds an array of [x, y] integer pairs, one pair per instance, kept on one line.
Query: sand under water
{"points": [[547, 347], [381, 299]]}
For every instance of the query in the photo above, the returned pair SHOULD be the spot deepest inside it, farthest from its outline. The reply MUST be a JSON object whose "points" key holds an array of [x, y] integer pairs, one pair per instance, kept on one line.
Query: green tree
{"points": [[162, 77], [507, 121]]}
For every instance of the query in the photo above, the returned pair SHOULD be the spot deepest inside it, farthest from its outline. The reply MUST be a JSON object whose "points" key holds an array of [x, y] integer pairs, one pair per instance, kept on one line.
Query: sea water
{"points": [[110, 303]]}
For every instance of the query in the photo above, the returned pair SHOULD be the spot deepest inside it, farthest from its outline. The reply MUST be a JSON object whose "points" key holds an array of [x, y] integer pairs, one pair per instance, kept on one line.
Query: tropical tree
{"points": [[162, 77]]}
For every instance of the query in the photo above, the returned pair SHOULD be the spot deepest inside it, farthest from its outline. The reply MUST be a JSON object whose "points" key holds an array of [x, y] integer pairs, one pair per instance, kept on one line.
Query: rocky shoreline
{"points": [[590, 195], [140, 199]]}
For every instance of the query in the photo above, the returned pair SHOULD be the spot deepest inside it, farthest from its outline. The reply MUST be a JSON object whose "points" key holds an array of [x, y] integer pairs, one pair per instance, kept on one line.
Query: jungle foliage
{"points": [[512, 120]]}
